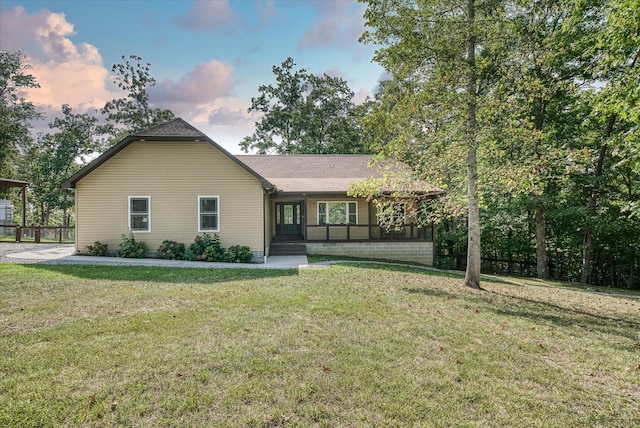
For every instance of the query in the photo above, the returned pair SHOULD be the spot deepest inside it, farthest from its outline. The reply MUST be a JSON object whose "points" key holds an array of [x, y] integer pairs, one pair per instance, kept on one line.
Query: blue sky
{"points": [[208, 56]]}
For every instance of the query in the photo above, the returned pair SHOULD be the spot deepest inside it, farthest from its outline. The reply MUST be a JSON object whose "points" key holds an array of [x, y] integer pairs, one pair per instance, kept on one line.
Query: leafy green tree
{"points": [[444, 61], [305, 113], [134, 112], [54, 157], [616, 107], [16, 113], [546, 63]]}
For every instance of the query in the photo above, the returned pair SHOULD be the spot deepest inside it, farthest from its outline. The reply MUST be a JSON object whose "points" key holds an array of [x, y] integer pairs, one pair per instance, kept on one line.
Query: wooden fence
{"points": [[37, 234]]}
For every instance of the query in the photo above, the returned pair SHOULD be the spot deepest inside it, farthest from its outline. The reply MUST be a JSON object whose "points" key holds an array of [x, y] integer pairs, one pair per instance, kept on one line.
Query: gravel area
{"points": [[19, 247]]}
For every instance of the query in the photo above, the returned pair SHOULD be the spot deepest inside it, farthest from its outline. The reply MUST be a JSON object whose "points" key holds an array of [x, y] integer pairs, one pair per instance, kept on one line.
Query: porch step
{"points": [[287, 249]]}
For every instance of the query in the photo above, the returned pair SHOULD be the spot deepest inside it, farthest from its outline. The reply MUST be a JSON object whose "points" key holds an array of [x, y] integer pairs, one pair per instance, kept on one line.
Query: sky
{"points": [[208, 56]]}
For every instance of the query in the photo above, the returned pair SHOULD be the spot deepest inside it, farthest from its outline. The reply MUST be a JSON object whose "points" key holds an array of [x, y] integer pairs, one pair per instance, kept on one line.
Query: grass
{"points": [[349, 345]]}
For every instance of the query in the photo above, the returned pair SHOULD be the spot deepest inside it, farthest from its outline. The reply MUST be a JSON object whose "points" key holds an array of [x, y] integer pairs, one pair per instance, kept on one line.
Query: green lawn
{"points": [[353, 345]]}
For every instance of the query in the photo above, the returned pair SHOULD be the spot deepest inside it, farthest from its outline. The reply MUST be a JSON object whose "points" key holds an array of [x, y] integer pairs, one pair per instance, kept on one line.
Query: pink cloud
{"points": [[334, 72], [204, 83], [206, 15], [338, 24], [17, 29], [361, 96], [74, 73], [225, 116], [67, 73]]}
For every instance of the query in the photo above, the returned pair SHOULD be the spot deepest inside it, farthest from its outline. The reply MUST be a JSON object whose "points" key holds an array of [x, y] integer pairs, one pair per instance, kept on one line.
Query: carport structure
{"points": [[6, 183]]}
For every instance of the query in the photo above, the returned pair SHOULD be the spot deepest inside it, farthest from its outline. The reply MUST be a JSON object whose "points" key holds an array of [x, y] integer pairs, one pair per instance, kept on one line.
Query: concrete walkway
{"points": [[65, 255]]}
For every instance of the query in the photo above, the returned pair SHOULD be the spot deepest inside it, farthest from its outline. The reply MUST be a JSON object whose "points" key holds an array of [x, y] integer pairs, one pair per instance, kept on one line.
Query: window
{"points": [[140, 213], [392, 215], [337, 213], [208, 213]]}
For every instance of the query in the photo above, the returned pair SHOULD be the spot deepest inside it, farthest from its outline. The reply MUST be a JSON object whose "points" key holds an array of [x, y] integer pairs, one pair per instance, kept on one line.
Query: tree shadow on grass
{"points": [[564, 316], [542, 312], [162, 274]]}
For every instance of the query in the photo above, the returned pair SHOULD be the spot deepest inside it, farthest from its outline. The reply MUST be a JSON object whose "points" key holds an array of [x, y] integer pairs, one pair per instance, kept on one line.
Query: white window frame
{"points": [[148, 213], [348, 213], [200, 198], [393, 217]]}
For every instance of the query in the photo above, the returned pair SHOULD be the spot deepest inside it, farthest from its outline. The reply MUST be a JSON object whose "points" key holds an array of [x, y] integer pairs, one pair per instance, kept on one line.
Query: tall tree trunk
{"points": [[472, 274], [542, 265], [587, 243], [541, 244]]}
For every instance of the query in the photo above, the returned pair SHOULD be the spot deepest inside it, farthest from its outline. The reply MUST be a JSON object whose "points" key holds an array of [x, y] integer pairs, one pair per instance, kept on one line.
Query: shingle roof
{"points": [[318, 173], [174, 128], [310, 173]]}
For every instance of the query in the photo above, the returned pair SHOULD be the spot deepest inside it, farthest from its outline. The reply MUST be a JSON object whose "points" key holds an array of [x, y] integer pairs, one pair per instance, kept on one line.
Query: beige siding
{"points": [[173, 175]]}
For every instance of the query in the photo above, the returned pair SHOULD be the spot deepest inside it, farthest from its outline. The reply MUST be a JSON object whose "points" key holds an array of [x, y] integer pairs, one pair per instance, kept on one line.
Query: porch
{"points": [[301, 221], [340, 226]]}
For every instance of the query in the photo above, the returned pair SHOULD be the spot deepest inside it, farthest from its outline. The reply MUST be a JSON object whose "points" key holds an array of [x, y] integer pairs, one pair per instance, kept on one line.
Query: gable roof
{"points": [[176, 130], [321, 173]]}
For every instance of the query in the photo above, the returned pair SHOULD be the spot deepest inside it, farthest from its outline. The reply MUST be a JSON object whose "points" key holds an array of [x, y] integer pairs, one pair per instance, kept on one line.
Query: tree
{"points": [[545, 65], [55, 157], [443, 59], [133, 113], [619, 101], [15, 112], [328, 117], [305, 113]]}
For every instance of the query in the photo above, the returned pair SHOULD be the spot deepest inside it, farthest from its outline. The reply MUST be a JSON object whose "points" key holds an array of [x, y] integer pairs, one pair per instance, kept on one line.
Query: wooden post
{"points": [[24, 206]]}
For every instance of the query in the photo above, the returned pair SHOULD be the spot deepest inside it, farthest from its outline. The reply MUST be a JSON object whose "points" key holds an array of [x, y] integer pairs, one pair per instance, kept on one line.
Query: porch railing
{"points": [[368, 232], [37, 234]]}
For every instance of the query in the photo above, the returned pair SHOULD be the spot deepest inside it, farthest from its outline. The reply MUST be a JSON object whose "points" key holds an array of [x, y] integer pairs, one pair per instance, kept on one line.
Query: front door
{"points": [[288, 219]]}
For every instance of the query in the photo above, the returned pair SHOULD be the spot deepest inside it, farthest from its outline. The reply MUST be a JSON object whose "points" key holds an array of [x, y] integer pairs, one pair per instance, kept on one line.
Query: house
{"points": [[173, 182]]}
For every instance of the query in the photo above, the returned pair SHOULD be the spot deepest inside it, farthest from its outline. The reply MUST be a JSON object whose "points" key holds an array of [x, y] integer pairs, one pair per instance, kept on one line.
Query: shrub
{"points": [[98, 249], [238, 254], [131, 248], [207, 248], [171, 250]]}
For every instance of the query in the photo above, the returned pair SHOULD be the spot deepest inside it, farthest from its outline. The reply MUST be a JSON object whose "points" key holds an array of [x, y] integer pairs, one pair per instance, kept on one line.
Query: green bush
{"points": [[206, 248], [238, 254], [171, 250], [98, 249], [131, 248]]}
